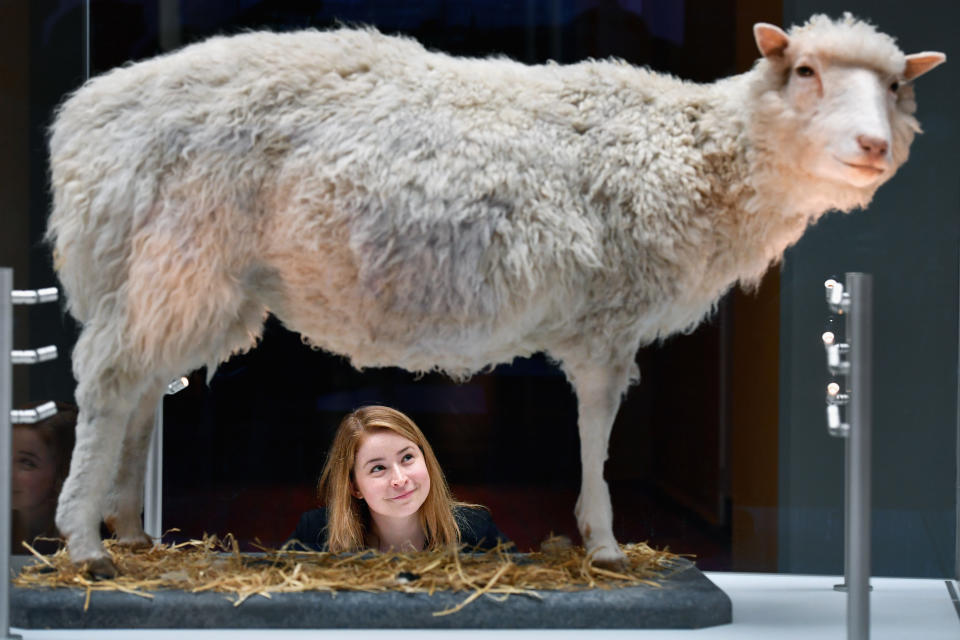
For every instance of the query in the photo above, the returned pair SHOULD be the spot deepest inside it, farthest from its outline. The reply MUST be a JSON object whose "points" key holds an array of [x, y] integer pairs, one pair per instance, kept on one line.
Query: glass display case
{"points": [[721, 451]]}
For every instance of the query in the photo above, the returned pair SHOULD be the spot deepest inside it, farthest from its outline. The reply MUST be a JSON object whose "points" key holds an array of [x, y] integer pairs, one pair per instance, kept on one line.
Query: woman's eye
{"points": [[407, 457], [377, 468], [28, 463], [805, 71]]}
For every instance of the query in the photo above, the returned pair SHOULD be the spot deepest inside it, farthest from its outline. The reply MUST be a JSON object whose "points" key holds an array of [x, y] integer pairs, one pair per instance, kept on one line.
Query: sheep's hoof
{"points": [[136, 543], [611, 560], [619, 565], [100, 568]]}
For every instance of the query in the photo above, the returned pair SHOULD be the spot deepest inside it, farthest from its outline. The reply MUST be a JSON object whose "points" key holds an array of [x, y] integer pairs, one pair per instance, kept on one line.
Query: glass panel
{"points": [[721, 451], [907, 240], [40, 51]]}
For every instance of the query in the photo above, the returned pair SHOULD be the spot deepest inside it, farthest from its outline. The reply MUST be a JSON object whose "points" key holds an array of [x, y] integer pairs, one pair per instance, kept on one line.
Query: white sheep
{"points": [[405, 207]]}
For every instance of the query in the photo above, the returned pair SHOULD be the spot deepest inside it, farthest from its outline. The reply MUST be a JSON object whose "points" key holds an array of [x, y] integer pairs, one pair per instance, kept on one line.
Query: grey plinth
{"points": [[686, 599]]}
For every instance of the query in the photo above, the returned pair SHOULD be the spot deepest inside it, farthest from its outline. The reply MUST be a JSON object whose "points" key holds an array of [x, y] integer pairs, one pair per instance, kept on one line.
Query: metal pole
{"points": [[860, 334], [556, 34], [153, 482], [86, 39], [168, 24], [6, 445], [847, 501], [956, 541], [846, 521]]}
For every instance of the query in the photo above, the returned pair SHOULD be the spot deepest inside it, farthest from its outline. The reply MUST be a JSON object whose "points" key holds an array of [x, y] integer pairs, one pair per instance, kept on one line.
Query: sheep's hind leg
{"points": [[106, 404], [599, 389], [124, 501]]}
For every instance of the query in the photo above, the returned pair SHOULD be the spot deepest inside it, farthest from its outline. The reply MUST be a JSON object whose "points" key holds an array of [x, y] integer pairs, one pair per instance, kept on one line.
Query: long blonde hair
{"points": [[348, 518]]}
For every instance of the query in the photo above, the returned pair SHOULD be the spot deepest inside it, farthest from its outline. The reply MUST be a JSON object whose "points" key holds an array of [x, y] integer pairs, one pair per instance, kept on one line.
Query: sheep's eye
{"points": [[894, 86], [805, 71]]}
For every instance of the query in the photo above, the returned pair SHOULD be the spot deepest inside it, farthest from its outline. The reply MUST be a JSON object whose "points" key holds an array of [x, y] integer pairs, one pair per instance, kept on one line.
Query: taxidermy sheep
{"points": [[405, 207]]}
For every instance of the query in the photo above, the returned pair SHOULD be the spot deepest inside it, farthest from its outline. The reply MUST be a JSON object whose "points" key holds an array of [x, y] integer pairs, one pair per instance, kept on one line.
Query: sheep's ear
{"points": [[771, 40], [919, 63]]}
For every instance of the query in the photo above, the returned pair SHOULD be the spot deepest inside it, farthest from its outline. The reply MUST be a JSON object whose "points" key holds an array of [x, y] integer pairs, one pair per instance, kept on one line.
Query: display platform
{"points": [[785, 607], [685, 599]]}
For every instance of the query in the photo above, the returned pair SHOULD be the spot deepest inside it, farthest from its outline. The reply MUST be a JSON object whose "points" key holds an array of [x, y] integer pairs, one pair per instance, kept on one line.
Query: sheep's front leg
{"points": [[124, 500], [599, 389]]}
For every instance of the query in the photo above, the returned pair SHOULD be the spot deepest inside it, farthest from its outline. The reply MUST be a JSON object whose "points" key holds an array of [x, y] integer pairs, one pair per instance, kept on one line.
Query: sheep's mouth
{"points": [[871, 169]]}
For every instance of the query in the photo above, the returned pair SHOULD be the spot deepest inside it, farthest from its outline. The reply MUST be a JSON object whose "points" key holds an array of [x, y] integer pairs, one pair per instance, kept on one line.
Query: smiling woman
{"points": [[383, 488]]}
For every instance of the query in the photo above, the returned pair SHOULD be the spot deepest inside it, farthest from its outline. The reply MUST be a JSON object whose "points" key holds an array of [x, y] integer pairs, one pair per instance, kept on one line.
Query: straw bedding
{"points": [[214, 564]]}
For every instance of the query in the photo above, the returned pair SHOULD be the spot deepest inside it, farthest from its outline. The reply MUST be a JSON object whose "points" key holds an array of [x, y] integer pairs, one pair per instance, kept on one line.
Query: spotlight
{"points": [[834, 396], [32, 416], [33, 356], [837, 299], [31, 296], [177, 385]]}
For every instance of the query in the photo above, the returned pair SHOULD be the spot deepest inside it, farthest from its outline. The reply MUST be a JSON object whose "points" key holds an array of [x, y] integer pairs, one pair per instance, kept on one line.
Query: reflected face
{"points": [[34, 471], [390, 474]]}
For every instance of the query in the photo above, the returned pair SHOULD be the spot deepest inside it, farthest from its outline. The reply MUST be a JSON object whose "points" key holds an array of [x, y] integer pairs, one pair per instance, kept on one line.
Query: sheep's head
{"points": [[838, 101]]}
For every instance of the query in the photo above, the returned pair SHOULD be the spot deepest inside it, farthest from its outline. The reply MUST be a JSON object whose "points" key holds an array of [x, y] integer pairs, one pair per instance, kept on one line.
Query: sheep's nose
{"points": [[872, 146]]}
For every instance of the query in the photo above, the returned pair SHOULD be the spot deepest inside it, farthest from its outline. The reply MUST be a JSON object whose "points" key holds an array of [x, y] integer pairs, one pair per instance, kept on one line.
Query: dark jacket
{"points": [[476, 530]]}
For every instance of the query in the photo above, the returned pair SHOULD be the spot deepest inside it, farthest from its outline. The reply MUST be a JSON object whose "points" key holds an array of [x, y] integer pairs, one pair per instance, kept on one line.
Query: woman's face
{"points": [[34, 470], [390, 474]]}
